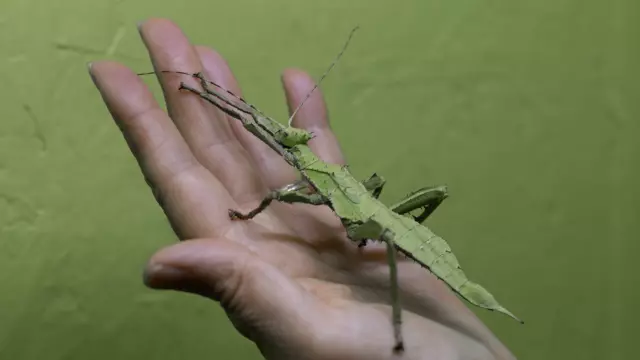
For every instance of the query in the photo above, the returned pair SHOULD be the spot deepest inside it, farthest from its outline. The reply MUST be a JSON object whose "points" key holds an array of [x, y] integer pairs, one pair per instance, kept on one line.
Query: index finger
{"points": [[195, 201]]}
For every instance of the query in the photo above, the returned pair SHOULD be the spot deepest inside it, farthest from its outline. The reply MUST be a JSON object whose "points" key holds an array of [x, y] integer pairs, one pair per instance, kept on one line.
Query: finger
{"points": [[312, 116], [273, 169], [205, 128], [181, 185], [259, 297]]}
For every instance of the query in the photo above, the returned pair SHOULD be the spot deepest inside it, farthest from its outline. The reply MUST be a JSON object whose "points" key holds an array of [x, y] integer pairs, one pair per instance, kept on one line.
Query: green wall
{"points": [[527, 109]]}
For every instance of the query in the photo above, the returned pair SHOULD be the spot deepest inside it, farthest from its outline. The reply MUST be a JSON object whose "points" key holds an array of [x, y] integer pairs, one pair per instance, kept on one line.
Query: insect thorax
{"points": [[291, 136]]}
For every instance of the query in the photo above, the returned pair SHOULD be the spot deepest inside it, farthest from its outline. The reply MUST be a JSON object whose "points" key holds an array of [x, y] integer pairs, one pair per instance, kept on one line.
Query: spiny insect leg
{"points": [[428, 199], [207, 88], [242, 105], [396, 309], [247, 120], [298, 192], [371, 229], [204, 95]]}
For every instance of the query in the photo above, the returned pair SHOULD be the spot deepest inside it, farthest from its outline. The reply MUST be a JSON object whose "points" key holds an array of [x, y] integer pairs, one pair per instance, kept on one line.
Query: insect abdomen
{"points": [[432, 252]]}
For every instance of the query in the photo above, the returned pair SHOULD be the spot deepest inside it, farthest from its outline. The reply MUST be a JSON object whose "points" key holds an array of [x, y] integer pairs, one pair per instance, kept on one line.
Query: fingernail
{"points": [[162, 276]]}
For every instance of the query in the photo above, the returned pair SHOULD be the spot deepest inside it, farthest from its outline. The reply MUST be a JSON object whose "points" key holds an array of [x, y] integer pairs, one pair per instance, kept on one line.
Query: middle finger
{"points": [[274, 171], [205, 128]]}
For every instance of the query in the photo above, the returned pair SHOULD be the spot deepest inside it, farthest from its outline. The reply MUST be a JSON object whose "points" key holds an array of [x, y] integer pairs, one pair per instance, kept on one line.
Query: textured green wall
{"points": [[527, 109]]}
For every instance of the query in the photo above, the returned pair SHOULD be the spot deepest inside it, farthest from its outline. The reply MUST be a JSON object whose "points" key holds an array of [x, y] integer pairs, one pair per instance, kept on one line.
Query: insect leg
{"points": [[229, 109], [234, 111], [298, 192], [375, 184], [427, 198], [371, 229], [396, 309], [238, 103]]}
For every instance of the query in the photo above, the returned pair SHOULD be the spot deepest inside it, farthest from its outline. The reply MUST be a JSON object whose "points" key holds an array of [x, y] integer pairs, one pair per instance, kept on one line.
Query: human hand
{"points": [[289, 279]]}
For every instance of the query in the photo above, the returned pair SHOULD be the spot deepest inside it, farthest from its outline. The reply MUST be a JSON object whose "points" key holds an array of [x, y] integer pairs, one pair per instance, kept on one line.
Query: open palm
{"points": [[288, 279]]}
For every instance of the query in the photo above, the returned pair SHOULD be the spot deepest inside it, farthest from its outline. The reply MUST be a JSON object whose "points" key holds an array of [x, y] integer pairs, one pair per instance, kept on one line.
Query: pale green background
{"points": [[526, 109]]}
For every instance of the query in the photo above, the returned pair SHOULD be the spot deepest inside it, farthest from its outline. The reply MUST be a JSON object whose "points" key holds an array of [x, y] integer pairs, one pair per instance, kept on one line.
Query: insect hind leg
{"points": [[427, 199], [396, 308]]}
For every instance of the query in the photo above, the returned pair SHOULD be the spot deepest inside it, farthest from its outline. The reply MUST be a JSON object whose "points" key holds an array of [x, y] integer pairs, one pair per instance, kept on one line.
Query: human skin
{"points": [[289, 280]]}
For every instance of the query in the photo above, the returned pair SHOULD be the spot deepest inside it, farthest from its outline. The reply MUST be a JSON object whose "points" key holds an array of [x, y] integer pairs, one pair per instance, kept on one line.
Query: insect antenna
{"points": [[335, 61], [238, 97]]}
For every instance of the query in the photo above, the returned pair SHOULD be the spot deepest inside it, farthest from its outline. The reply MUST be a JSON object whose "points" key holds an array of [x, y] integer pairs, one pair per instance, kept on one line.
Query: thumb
{"points": [[258, 298]]}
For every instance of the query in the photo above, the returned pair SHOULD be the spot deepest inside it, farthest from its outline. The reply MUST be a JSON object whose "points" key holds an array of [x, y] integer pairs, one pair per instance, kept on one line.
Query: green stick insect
{"points": [[355, 202]]}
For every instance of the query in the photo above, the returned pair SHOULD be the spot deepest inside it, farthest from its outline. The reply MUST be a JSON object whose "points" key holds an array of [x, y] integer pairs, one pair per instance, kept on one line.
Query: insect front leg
{"points": [[298, 192], [239, 102], [239, 113], [427, 198], [215, 101]]}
